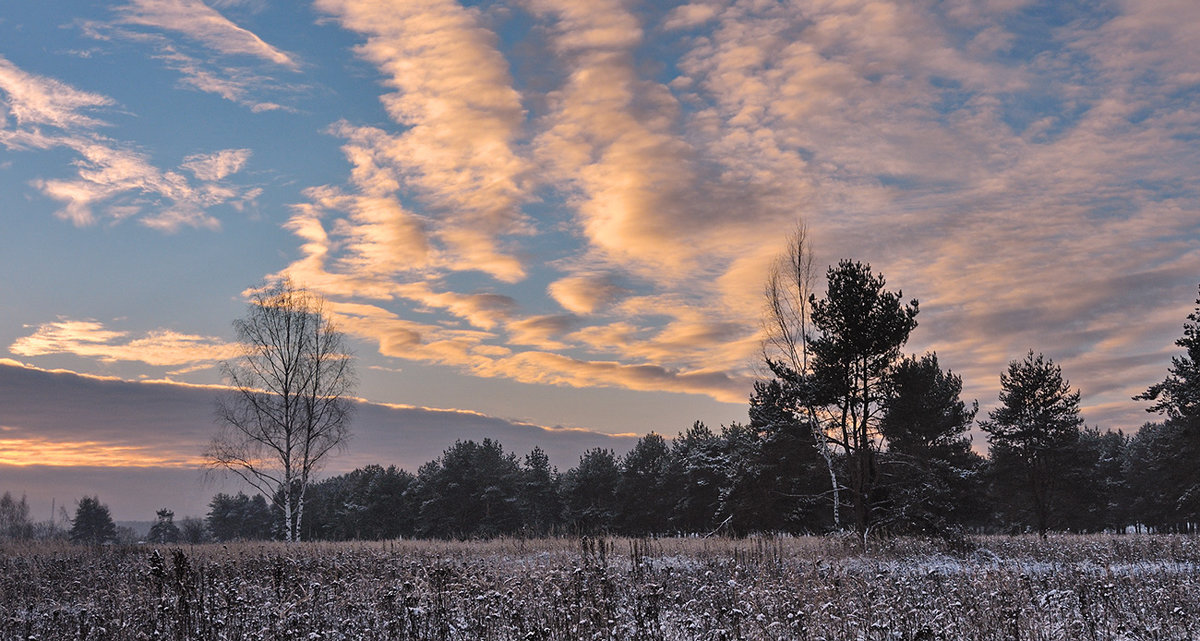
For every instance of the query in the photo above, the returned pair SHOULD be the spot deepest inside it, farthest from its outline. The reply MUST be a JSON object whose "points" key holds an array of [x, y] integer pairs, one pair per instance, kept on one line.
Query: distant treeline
{"points": [[740, 480], [846, 434]]}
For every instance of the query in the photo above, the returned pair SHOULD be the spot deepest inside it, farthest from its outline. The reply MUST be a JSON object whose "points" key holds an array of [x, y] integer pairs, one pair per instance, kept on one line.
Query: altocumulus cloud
{"points": [[589, 194], [1030, 196]]}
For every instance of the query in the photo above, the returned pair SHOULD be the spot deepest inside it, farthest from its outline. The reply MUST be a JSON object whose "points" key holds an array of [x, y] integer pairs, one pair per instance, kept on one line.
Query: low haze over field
{"points": [[538, 215]]}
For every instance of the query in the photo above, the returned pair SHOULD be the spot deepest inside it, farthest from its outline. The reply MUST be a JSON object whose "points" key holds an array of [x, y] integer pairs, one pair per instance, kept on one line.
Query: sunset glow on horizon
{"points": [[21, 452], [558, 216]]}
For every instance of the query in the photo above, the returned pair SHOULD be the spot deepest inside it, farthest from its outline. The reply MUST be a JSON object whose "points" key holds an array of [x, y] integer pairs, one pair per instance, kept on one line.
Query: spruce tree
{"points": [[92, 524]]}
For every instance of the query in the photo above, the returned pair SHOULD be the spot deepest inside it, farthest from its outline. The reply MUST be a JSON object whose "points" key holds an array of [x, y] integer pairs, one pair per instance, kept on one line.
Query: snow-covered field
{"points": [[1066, 587]]}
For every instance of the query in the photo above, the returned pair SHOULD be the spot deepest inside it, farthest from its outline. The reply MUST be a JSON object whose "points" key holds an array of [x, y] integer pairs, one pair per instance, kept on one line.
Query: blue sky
{"points": [[561, 214]]}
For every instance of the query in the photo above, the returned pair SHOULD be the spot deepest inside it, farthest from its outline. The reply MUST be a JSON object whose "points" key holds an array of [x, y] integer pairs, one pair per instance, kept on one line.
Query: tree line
{"points": [[846, 432]]}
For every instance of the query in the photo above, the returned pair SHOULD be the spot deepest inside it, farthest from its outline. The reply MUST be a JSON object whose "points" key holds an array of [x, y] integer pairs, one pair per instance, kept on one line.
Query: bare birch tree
{"points": [[785, 328], [289, 402]]}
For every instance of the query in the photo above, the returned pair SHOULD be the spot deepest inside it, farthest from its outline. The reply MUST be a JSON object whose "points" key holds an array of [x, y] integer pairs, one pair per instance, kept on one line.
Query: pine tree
{"points": [[92, 524], [860, 329], [932, 475], [590, 492], [1159, 468], [1179, 395], [1032, 434], [643, 498], [541, 507], [472, 490], [790, 458], [164, 529], [240, 517], [696, 455]]}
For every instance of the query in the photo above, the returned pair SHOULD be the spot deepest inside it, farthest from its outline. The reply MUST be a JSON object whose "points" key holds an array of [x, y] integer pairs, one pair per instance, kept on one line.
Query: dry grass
{"points": [[1067, 587]]}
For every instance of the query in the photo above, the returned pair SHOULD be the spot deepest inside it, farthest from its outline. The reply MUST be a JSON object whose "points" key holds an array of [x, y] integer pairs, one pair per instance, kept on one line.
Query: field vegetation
{"points": [[1024, 587]]}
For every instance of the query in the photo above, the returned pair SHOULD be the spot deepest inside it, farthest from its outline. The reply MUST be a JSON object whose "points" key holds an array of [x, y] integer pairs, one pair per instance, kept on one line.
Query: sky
{"points": [[550, 222]]}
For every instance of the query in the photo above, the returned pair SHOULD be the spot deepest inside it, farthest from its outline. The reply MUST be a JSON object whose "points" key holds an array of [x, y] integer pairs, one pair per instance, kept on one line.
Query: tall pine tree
{"points": [[1032, 434], [860, 329]]}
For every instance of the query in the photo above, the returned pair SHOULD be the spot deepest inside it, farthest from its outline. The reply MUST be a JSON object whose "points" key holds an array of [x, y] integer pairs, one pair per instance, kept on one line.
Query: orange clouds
{"points": [[585, 293], [38, 451], [589, 194], [464, 151], [91, 339], [454, 95]]}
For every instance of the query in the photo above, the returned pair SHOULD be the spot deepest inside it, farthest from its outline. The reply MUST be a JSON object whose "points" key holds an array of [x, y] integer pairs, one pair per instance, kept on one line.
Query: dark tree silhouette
{"points": [[860, 329], [471, 491], [933, 477], [1179, 395], [164, 529], [1159, 468], [746, 504], [540, 503], [369, 503], [643, 493], [590, 492], [193, 530], [92, 524], [699, 464], [1032, 433], [789, 459], [1093, 483], [239, 518]]}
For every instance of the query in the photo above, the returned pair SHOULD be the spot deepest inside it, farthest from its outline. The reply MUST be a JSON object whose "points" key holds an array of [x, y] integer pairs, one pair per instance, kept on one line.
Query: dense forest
{"points": [[845, 433]]}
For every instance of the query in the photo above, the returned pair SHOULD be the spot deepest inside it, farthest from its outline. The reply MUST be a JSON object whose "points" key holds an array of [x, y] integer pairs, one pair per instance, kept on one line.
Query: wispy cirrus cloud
{"points": [[110, 175], [196, 20], [33, 100], [211, 53], [215, 166], [91, 339], [235, 84], [109, 171]]}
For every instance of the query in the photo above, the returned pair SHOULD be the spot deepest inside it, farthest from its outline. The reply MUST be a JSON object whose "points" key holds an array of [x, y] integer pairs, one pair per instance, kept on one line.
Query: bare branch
{"points": [[289, 405]]}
